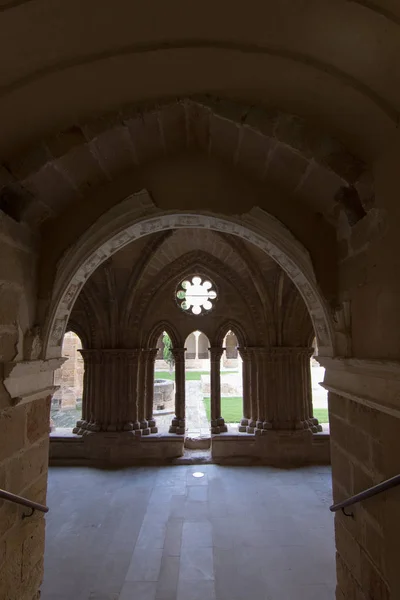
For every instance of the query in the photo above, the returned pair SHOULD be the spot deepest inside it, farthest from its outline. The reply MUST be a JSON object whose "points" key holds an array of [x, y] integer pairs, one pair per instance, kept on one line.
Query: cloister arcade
{"points": [[255, 148], [250, 306]]}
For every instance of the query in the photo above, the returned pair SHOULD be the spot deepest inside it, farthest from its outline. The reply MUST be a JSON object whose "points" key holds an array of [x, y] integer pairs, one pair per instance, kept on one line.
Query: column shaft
{"points": [[109, 401], [217, 421], [246, 388], [141, 399], [149, 388], [253, 389], [178, 422], [289, 401]]}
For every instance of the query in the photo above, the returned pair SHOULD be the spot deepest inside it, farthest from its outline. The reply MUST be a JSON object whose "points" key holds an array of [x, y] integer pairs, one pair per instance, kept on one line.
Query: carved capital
{"points": [[216, 353], [178, 354]]}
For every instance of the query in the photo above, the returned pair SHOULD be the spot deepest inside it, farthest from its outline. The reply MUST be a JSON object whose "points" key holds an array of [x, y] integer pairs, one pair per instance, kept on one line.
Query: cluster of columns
{"points": [[118, 391], [277, 392]]}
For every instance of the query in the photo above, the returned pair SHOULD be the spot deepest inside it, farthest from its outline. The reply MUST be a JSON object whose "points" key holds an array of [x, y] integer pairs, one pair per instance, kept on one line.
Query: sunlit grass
{"points": [[231, 409]]}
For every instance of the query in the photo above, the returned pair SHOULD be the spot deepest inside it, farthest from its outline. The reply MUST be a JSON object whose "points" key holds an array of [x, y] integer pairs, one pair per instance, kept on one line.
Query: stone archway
{"points": [[137, 217]]}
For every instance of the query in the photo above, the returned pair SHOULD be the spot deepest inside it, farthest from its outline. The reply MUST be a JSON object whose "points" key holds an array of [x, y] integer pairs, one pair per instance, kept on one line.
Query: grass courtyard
{"points": [[232, 412], [189, 375], [231, 407]]}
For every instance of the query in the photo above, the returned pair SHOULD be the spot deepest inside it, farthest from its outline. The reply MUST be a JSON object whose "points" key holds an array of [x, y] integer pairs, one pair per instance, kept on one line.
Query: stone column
{"points": [[141, 396], [196, 337], [178, 422], [244, 354], [217, 421], [260, 356], [132, 368], [149, 388], [253, 389], [109, 401], [288, 404]]}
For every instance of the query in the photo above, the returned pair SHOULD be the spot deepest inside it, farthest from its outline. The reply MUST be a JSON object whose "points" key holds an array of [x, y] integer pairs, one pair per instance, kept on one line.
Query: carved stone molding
{"points": [[126, 222], [373, 383]]}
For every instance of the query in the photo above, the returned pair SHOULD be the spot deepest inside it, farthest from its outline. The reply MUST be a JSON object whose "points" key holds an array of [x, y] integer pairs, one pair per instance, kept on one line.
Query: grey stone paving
{"points": [[197, 423], [160, 534]]}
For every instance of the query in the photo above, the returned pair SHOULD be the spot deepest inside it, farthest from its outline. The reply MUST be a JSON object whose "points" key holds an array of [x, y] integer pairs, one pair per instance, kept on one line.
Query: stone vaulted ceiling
{"points": [[315, 85], [268, 146]]}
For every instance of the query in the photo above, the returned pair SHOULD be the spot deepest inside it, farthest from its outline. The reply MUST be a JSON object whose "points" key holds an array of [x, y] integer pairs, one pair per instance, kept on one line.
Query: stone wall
{"points": [[24, 418], [70, 376], [365, 449], [164, 398]]}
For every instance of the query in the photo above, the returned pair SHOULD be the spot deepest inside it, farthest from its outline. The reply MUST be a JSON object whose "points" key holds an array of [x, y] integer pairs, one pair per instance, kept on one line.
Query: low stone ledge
{"points": [[113, 449], [278, 449]]}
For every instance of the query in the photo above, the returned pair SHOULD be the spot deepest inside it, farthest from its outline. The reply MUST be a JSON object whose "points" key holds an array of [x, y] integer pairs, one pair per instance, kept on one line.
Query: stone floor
{"points": [[238, 533]]}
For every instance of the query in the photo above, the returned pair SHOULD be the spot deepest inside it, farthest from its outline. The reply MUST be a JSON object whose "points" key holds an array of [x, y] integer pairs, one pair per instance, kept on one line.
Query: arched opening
{"points": [[258, 228], [66, 404], [164, 383], [319, 394], [197, 386], [231, 381]]}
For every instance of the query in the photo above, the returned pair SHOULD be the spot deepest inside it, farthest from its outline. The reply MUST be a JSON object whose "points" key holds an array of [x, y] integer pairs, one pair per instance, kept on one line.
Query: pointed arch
{"points": [[158, 330], [126, 222], [235, 327]]}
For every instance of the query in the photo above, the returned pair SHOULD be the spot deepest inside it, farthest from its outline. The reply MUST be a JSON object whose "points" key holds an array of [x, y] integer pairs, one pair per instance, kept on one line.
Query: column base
{"points": [[243, 425], [218, 426], [177, 426], [82, 427], [311, 424], [151, 424]]}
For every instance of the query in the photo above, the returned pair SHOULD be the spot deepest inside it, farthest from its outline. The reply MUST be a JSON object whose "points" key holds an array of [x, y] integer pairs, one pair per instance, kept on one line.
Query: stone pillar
{"points": [[149, 388], [178, 422], [253, 388], [259, 357], [132, 358], [109, 401], [196, 337], [217, 421], [288, 402], [141, 396], [245, 356]]}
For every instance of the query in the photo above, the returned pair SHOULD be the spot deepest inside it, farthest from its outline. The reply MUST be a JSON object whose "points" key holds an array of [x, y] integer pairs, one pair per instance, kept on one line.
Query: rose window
{"points": [[195, 295]]}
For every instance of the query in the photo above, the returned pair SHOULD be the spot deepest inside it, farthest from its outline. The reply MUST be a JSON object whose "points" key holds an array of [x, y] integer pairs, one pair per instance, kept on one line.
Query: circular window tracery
{"points": [[195, 295]]}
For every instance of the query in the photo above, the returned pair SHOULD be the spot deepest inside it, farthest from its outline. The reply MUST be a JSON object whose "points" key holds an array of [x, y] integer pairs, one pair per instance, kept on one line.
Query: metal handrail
{"points": [[369, 493], [23, 502]]}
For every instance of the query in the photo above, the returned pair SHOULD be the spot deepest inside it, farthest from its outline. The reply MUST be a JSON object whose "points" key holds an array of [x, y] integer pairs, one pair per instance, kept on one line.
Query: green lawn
{"points": [[190, 375], [231, 409], [321, 414]]}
